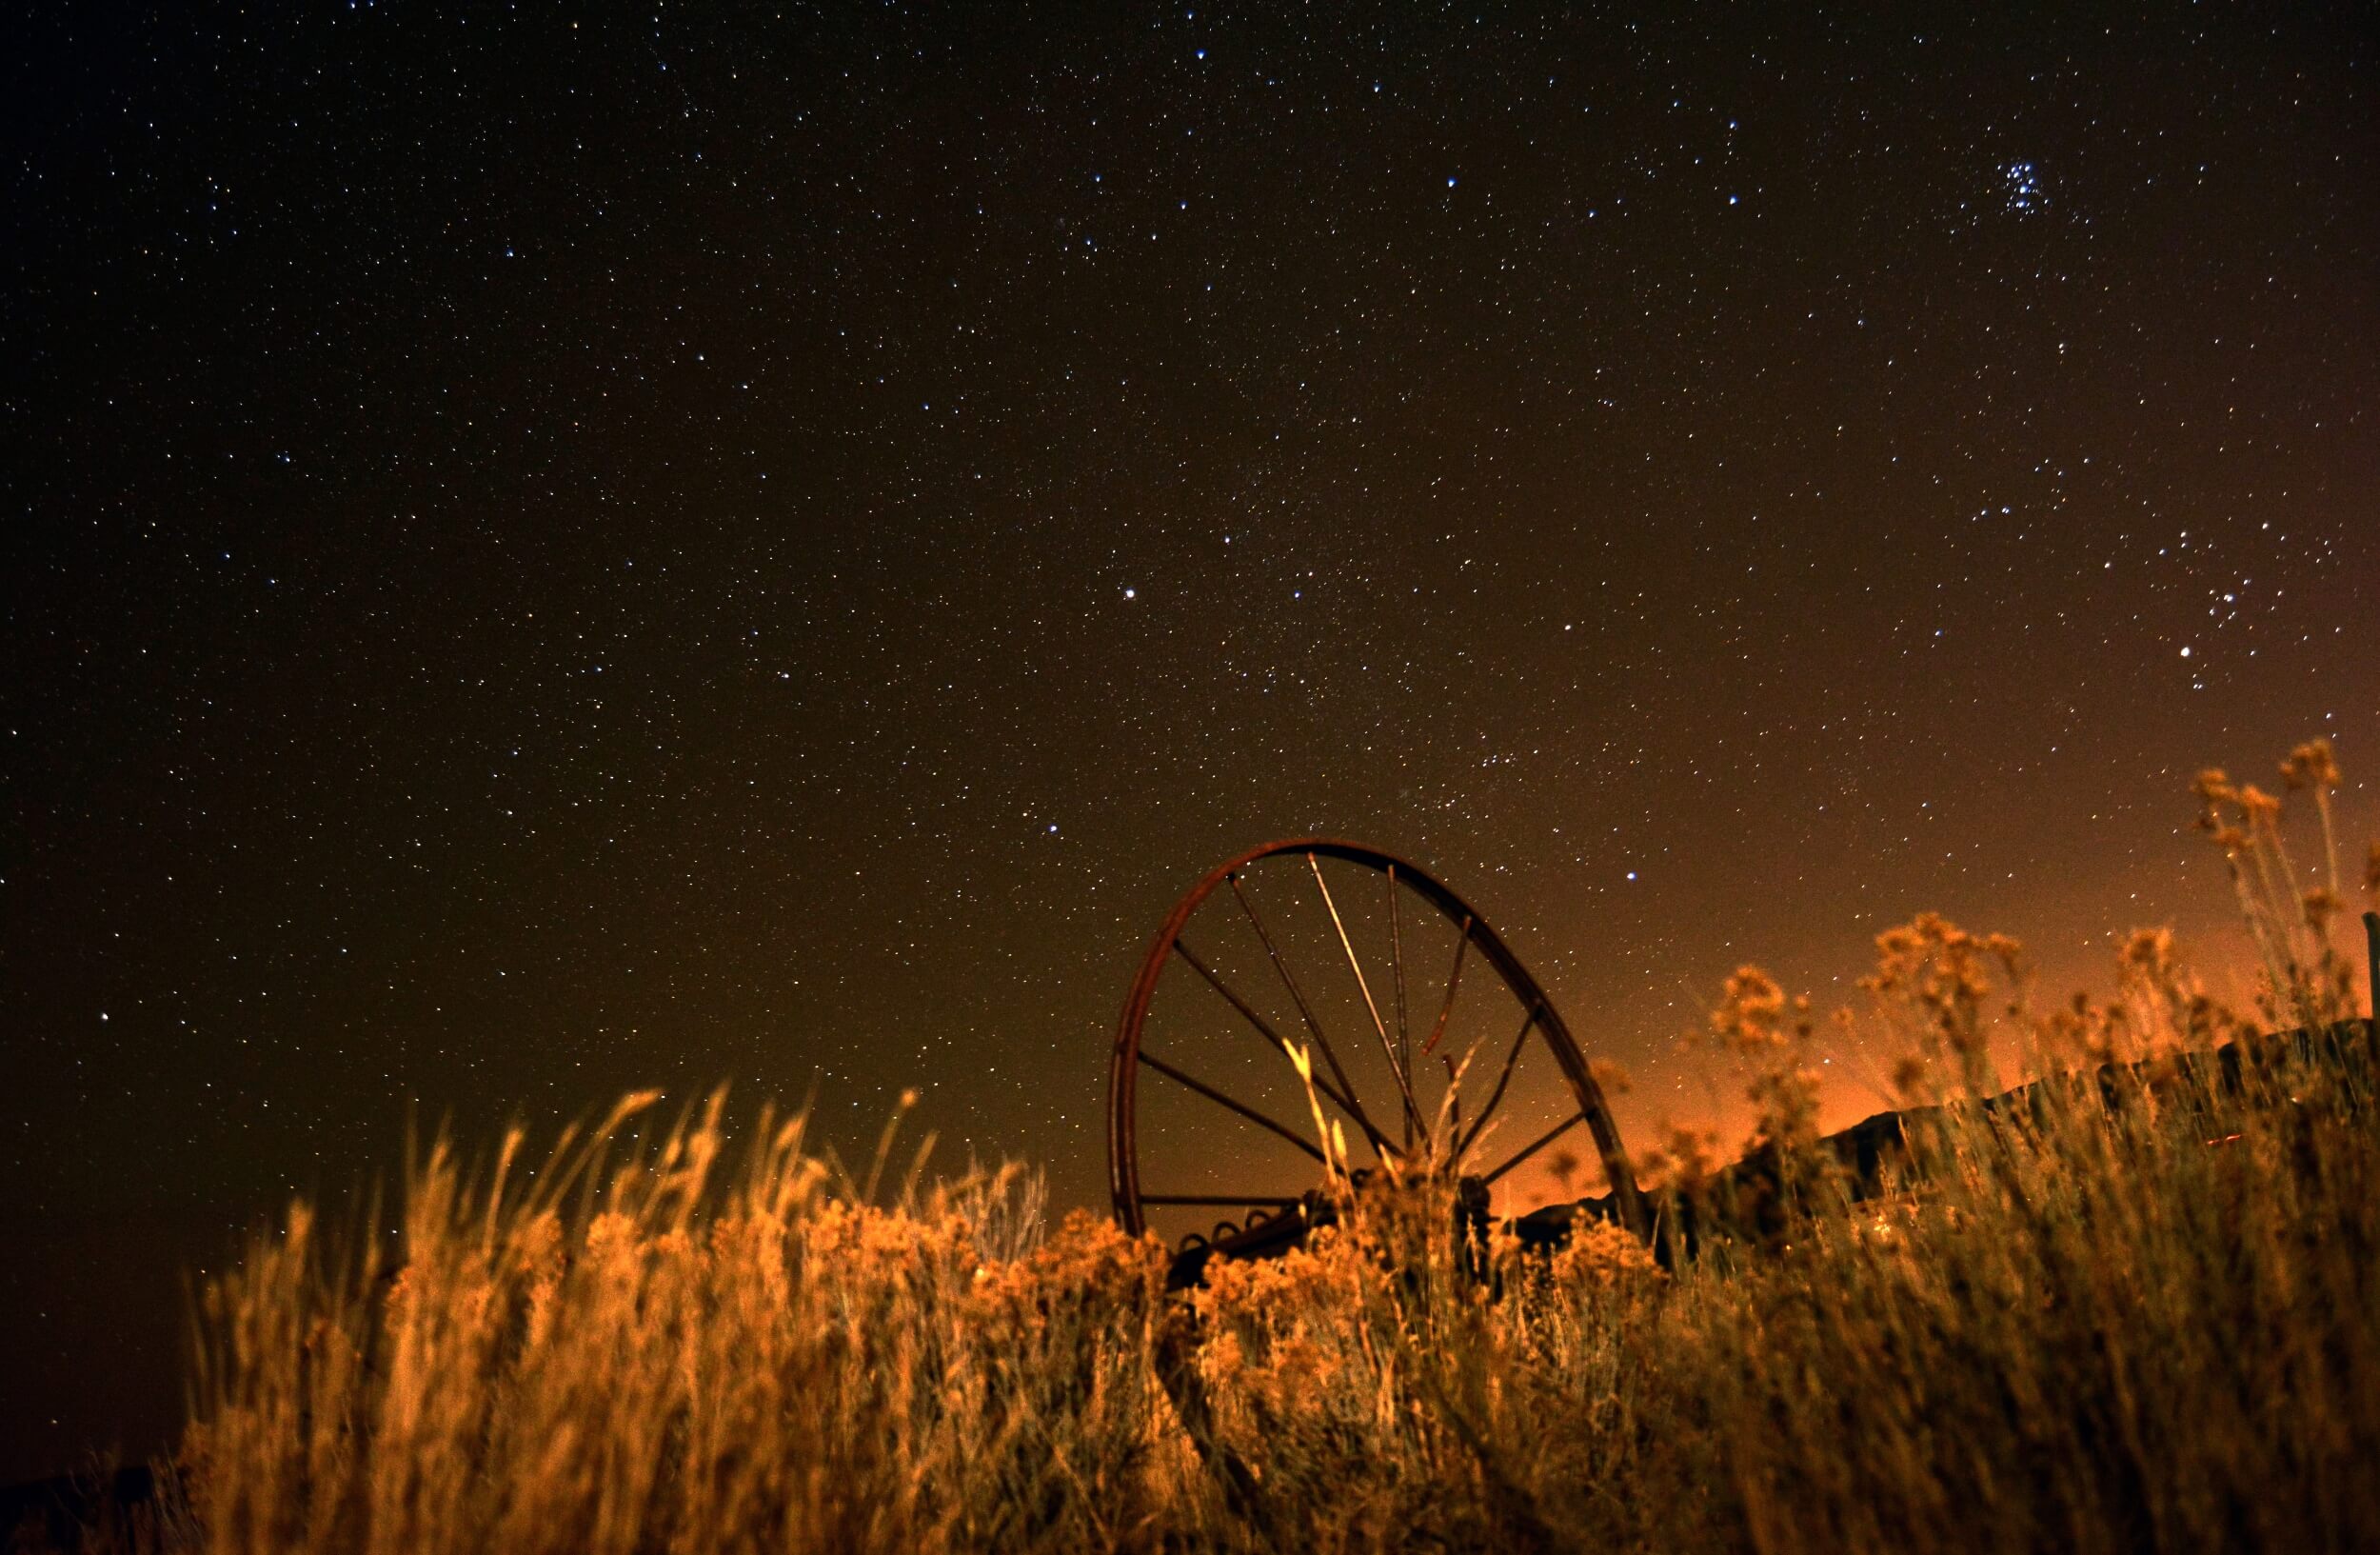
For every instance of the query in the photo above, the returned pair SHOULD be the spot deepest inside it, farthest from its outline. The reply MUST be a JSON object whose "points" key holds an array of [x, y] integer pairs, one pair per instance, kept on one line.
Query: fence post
{"points": [[2371, 978]]}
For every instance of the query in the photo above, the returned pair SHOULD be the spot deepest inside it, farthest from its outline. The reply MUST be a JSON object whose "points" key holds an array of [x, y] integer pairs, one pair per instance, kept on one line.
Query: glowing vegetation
{"points": [[2141, 1311]]}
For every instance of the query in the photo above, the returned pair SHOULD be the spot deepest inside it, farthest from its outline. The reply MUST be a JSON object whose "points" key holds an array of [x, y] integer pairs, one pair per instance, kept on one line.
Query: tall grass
{"points": [[677, 1361], [2141, 1311]]}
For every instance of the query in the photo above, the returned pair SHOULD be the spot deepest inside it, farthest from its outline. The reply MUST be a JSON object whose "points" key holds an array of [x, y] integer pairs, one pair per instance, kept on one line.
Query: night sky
{"points": [[551, 554]]}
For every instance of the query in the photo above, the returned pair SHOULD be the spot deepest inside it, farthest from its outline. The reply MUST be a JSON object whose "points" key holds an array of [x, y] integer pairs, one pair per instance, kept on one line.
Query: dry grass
{"points": [[2154, 1323]]}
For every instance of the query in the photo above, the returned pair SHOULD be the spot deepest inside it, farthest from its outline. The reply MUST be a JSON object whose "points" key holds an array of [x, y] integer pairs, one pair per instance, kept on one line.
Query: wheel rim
{"points": [[1392, 1029]]}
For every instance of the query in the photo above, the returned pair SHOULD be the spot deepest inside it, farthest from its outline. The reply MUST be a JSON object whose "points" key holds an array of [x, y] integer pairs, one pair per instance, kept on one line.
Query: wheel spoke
{"points": [[1404, 1087], [1538, 1143], [1222, 1201], [1330, 1055], [1265, 1030], [1502, 1080], [1242, 1107], [1454, 980]]}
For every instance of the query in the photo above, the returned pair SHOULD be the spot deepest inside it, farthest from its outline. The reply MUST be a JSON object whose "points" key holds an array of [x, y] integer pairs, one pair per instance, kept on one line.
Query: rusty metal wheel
{"points": [[1220, 1152]]}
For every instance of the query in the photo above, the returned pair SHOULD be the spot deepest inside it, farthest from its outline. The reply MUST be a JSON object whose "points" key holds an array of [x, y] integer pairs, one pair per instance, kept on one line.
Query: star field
{"points": [[551, 554]]}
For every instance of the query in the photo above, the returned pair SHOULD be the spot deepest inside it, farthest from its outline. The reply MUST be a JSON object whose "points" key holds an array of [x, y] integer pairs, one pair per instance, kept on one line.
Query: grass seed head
{"points": [[2312, 766]]}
